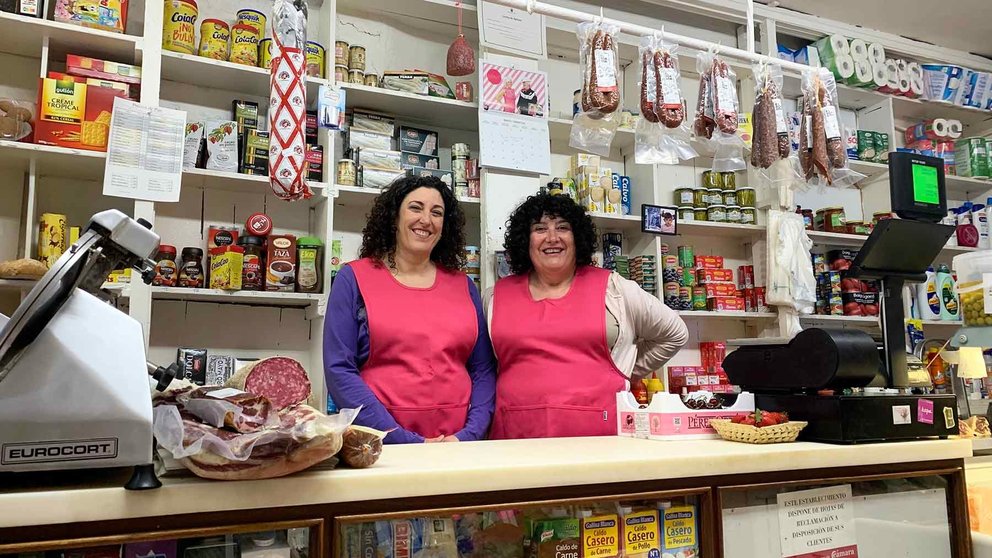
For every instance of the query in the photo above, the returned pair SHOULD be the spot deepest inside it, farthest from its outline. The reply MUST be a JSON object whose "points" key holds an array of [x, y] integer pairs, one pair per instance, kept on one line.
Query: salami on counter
{"points": [[282, 380]]}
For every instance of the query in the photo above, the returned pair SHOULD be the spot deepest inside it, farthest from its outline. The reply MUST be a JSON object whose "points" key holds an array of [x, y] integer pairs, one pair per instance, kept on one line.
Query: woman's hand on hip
{"points": [[435, 440], [450, 439]]}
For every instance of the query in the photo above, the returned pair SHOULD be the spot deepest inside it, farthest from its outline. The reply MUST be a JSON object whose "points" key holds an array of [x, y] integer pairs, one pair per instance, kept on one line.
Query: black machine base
{"points": [[855, 419], [143, 478]]}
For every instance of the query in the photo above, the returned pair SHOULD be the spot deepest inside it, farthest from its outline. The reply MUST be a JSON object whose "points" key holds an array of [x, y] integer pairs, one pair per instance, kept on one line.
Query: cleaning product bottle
{"points": [[980, 219], [927, 298], [949, 310], [952, 220], [967, 232]]}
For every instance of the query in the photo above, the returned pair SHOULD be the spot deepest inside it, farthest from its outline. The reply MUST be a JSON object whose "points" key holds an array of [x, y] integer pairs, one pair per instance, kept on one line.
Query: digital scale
{"points": [[840, 381]]}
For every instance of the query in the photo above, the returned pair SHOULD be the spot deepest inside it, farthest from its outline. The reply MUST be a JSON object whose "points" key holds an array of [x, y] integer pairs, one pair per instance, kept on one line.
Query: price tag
{"points": [[606, 75]]}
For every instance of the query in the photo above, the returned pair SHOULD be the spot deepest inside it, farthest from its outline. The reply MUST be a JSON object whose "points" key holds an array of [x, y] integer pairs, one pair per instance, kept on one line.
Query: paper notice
{"points": [[145, 152], [818, 523]]}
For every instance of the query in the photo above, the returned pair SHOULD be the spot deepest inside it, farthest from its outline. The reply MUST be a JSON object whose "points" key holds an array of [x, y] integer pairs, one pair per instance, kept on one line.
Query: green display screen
{"points": [[925, 187]]}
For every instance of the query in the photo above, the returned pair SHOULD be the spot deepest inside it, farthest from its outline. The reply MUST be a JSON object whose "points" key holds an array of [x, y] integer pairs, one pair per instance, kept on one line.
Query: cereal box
{"points": [[74, 115]]}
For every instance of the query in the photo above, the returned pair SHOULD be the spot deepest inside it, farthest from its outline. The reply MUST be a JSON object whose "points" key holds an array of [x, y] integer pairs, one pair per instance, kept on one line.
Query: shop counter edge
{"points": [[459, 468]]}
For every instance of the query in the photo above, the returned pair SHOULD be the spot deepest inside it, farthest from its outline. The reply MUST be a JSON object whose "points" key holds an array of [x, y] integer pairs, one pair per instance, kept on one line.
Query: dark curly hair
{"points": [[530, 211], [379, 234]]}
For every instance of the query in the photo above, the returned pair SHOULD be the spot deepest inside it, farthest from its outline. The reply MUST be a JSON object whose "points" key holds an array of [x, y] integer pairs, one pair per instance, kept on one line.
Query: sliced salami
{"points": [[282, 380]]}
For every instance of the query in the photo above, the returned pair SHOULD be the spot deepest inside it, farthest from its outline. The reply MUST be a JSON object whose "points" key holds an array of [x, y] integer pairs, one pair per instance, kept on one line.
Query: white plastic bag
{"points": [[715, 124], [790, 276], [599, 66]]}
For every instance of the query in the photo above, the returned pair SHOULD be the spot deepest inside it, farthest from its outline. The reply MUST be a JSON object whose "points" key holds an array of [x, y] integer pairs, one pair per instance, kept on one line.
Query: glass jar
{"points": [[733, 214], [831, 219], [712, 180], [715, 196], [729, 180], [701, 214], [252, 277], [684, 196], [165, 266], [687, 213], [729, 197], [191, 269], [716, 213], [699, 198], [808, 218], [308, 264], [747, 197], [749, 216]]}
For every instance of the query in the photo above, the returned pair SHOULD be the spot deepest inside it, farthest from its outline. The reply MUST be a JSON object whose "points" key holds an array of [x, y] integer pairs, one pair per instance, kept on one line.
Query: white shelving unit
{"points": [[409, 34]]}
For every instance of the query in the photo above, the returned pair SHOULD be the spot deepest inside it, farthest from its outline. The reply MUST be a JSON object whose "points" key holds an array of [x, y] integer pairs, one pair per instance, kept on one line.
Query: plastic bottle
{"points": [[654, 385], [952, 220], [980, 218], [949, 310], [927, 299], [640, 392]]}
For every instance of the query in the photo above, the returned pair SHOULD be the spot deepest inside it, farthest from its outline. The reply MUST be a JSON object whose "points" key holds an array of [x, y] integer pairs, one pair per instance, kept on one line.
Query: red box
{"points": [[711, 354], [709, 262], [704, 276], [759, 300], [745, 276], [720, 289], [725, 304], [103, 69]]}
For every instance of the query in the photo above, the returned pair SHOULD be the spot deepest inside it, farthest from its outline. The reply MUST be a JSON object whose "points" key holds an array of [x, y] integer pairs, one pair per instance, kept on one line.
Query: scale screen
{"points": [[925, 185]]}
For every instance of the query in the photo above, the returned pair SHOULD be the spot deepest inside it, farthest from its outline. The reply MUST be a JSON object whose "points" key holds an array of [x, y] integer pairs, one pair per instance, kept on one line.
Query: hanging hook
{"points": [[600, 15], [530, 6]]}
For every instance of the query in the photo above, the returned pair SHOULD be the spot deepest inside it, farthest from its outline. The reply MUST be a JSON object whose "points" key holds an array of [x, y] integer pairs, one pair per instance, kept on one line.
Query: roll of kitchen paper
{"points": [[859, 50], [915, 70], [830, 47], [862, 74], [916, 87], [891, 76], [904, 85], [954, 129], [876, 53], [839, 44], [844, 67]]}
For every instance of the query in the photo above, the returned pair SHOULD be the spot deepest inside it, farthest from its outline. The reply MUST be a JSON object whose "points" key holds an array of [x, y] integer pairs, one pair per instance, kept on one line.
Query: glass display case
{"points": [[909, 516], [648, 525]]}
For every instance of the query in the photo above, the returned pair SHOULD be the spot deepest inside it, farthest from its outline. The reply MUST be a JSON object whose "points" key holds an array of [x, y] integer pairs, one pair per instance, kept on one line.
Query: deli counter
{"points": [[589, 497]]}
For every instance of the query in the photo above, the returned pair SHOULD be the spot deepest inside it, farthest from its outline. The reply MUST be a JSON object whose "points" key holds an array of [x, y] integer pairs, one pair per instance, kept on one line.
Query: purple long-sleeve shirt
{"points": [[346, 350]]}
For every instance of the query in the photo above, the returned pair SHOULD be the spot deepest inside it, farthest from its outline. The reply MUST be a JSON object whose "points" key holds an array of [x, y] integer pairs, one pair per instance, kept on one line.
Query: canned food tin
{"points": [[459, 150], [687, 257], [688, 277], [179, 29], [315, 59], [671, 289], [685, 298], [244, 44], [699, 298], [346, 174], [687, 213], [356, 58], [340, 53], [356, 77], [215, 39], [341, 74], [458, 170], [253, 18], [372, 80], [750, 301], [701, 214], [265, 53]]}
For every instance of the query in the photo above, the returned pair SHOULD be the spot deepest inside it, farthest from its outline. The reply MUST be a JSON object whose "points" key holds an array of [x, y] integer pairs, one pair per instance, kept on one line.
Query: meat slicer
{"points": [[74, 384]]}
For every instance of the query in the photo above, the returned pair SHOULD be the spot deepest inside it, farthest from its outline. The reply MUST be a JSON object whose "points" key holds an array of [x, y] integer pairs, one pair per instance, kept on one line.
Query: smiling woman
{"points": [[405, 337], [568, 335]]}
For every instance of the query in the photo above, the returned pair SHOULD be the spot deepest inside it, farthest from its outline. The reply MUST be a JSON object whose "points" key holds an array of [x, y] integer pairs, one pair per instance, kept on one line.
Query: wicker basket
{"points": [[787, 432]]}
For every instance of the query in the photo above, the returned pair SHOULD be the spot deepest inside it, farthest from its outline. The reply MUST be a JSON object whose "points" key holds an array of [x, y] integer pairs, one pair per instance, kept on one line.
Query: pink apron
{"points": [[419, 342], [556, 375]]}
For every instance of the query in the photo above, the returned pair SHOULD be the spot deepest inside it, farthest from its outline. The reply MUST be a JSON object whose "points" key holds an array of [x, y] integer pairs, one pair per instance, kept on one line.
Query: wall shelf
{"points": [[432, 111], [24, 36]]}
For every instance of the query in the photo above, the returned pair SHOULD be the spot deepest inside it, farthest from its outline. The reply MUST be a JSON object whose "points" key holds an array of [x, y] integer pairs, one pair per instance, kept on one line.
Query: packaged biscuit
{"points": [[108, 15], [74, 114]]}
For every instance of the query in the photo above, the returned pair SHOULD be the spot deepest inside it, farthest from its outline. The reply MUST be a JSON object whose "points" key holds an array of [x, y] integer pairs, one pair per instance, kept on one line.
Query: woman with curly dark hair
{"points": [[568, 335], [405, 337]]}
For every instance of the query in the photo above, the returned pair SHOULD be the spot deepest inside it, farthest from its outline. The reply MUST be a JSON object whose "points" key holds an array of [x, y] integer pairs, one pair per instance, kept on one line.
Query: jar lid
{"points": [[308, 241], [832, 209], [192, 252], [247, 239], [716, 205], [684, 207], [219, 22], [734, 207], [168, 248], [744, 188], [358, 46], [258, 224]]}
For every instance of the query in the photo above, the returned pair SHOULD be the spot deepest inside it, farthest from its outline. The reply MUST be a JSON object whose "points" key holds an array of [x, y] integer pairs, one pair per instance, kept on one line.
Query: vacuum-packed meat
{"points": [[282, 380]]}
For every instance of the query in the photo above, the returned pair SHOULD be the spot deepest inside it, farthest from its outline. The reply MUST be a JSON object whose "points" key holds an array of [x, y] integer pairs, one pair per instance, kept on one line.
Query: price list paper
{"points": [[144, 152]]}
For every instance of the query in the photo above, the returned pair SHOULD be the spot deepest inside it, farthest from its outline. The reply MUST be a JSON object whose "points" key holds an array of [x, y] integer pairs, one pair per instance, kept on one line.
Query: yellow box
{"points": [[226, 263], [584, 159], [119, 276], [601, 536], [641, 535], [51, 238]]}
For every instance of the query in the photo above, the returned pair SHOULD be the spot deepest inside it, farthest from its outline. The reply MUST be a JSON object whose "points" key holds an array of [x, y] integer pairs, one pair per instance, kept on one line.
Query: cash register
{"points": [[846, 386]]}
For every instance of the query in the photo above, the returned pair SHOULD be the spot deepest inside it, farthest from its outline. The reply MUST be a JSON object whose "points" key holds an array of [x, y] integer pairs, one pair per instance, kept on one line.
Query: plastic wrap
{"points": [[823, 153], [288, 101], [229, 408], [715, 124], [790, 285], [662, 133], [599, 64]]}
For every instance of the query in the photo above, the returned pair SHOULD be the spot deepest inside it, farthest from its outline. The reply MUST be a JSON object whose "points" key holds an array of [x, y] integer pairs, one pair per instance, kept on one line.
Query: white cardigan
{"points": [[650, 332]]}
